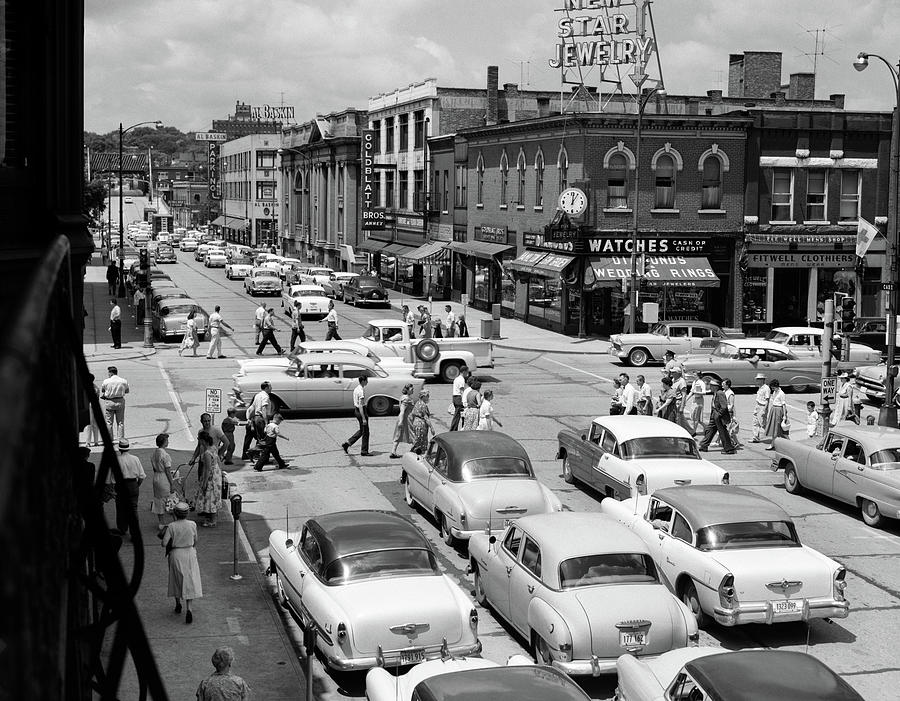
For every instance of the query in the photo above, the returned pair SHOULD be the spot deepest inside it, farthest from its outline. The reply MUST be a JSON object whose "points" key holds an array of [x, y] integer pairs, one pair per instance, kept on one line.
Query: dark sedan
{"points": [[872, 331], [165, 254], [365, 289]]}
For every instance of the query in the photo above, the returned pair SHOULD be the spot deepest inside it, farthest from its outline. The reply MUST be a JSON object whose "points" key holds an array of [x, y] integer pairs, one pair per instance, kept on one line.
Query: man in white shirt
{"points": [[113, 389], [270, 445], [669, 356], [451, 321], [459, 385], [258, 323], [258, 414], [359, 408], [680, 388], [760, 410], [128, 492], [216, 325], [115, 323], [332, 321], [629, 395]]}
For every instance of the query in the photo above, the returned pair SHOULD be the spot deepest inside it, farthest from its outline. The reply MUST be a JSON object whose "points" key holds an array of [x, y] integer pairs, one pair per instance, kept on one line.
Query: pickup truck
{"points": [[433, 357]]}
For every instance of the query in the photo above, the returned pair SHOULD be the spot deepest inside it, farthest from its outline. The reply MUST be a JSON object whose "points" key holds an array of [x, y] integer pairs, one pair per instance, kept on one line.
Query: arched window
{"points": [[711, 196], [665, 182], [539, 179], [562, 165], [479, 172], [504, 178], [520, 174], [617, 182]]}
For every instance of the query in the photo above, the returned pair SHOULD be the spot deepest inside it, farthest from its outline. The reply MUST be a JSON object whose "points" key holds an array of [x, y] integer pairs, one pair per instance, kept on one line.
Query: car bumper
{"points": [[392, 657], [620, 353], [763, 612], [594, 667], [876, 394]]}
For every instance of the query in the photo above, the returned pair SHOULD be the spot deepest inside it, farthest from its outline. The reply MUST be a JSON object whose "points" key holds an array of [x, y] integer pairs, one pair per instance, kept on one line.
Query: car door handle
{"points": [[531, 589], [860, 468], [659, 535], [508, 571], [669, 561]]}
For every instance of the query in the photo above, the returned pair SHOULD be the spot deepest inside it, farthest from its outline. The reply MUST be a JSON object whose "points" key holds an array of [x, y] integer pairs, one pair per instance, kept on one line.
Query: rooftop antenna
{"points": [[524, 70], [819, 34]]}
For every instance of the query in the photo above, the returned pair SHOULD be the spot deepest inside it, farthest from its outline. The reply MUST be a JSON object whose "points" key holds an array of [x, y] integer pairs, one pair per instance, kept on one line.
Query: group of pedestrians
{"points": [[422, 325], [472, 409]]}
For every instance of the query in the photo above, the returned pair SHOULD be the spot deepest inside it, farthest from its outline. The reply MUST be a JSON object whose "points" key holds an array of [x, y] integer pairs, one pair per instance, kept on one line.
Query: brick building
{"points": [[248, 210], [243, 123]]}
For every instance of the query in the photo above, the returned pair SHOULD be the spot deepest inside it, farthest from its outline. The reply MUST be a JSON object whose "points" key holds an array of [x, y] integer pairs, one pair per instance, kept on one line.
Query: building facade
{"points": [[249, 205], [244, 122]]}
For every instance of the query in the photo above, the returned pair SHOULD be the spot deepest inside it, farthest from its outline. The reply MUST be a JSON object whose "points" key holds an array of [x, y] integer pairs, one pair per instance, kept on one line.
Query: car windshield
{"points": [[725, 350], [660, 447], [658, 329], [777, 337], [490, 468], [306, 293], [176, 309], [749, 534], [612, 568], [885, 459], [381, 563]]}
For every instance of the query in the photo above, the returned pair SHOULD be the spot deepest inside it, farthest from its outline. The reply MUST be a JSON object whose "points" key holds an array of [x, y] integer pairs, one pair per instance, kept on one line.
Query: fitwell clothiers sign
{"points": [[372, 214], [598, 35]]}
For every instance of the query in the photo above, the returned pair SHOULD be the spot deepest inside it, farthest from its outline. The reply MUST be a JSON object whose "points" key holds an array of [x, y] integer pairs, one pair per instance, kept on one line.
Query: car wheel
{"points": [[638, 357], [446, 534], [567, 470], [480, 596], [427, 350], [870, 513], [791, 481], [692, 600], [380, 406], [407, 495], [449, 371], [540, 650]]}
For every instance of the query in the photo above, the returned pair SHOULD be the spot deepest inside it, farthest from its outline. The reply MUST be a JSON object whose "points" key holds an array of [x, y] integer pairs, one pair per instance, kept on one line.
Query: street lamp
{"points": [[122, 133], [642, 99], [887, 416]]}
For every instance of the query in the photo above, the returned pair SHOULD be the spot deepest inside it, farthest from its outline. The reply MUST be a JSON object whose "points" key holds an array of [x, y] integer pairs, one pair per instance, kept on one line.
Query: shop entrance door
{"points": [[790, 291]]}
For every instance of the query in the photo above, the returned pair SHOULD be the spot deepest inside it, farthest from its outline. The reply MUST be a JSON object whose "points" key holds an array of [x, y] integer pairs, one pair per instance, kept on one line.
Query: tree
{"points": [[94, 201]]}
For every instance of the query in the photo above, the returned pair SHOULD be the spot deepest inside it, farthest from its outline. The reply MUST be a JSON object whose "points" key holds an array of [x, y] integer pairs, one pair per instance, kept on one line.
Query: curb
{"points": [[99, 356], [536, 349]]}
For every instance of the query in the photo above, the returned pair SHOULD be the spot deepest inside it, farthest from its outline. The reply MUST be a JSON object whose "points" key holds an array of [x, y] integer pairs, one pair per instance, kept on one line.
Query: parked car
{"points": [[741, 360], [581, 589], [715, 673], [334, 285], [870, 379], [325, 382], [166, 254], [682, 337], [473, 679], [625, 456], [733, 556], [215, 258], [806, 342], [262, 281], [315, 275], [170, 318], [471, 481], [188, 244], [308, 301], [858, 465], [343, 562], [159, 294], [872, 331], [238, 268], [365, 289]]}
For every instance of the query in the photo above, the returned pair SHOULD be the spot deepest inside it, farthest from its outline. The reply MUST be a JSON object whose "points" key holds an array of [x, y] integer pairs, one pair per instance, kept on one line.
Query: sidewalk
{"points": [[97, 339], [514, 334], [241, 614]]}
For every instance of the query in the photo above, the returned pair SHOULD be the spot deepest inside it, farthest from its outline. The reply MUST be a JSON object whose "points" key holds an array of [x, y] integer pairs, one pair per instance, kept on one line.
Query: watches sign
{"points": [[372, 214]]}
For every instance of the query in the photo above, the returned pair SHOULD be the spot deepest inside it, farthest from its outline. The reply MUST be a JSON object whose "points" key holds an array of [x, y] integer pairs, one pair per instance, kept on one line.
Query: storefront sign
{"points": [[372, 215], [210, 136], [212, 171], [799, 259], [665, 245], [441, 232], [491, 234], [607, 38], [271, 113], [540, 242], [409, 222]]}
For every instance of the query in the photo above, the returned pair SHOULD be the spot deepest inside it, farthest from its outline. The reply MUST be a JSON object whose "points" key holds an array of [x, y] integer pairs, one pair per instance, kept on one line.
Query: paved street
{"points": [[537, 393]]}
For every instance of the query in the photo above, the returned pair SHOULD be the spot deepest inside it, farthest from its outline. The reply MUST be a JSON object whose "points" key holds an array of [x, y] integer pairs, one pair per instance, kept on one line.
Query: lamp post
{"points": [[642, 100], [122, 133], [887, 416]]}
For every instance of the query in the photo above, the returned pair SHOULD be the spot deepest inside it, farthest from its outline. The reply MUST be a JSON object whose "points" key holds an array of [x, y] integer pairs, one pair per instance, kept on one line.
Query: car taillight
{"points": [[473, 619], [726, 478], [565, 652], [641, 484], [727, 592], [341, 632], [462, 519], [839, 584]]}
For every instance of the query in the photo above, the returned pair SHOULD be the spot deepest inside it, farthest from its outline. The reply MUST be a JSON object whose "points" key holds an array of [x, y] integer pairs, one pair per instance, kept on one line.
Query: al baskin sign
{"points": [[372, 215], [600, 36]]}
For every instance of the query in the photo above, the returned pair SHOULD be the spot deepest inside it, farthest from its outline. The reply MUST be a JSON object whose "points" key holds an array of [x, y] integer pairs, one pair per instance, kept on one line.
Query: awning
{"points": [[479, 249], [541, 263], [350, 256], [398, 249], [658, 270], [374, 245], [231, 222], [432, 253]]}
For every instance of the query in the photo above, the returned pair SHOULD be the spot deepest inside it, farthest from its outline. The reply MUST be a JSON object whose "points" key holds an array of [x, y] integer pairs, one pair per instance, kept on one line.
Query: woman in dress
{"points": [[401, 430], [644, 397], [668, 407], [844, 399], [420, 423], [180, 541], [486, 418], [92, 435], [209, 489], [471, 414], [163, 484], [191, 337], [776, 413]]}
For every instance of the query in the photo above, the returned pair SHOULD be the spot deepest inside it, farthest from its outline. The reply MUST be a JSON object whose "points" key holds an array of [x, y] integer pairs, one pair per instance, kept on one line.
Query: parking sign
{"points": [[213, 401]]}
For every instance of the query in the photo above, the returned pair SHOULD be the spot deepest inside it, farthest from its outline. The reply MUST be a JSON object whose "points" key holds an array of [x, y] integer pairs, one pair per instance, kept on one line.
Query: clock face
{"points": [[573, 201]]}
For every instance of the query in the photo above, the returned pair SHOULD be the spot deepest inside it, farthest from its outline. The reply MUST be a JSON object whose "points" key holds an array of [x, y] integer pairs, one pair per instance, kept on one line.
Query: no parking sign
{"points": [[213, 401]]}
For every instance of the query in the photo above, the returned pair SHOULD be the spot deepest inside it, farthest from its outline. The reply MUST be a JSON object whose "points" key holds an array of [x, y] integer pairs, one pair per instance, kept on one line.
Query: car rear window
{"points": [[368, 280], [306, 293], [177, 309], [611, 568], [265, 273], [493, 467], [381, 563], [749, 534], [660, 447]]}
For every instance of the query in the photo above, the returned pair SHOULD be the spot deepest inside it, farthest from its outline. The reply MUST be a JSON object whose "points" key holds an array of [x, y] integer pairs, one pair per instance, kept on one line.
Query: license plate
{"points": [[786, 606], [632, 638], [412, 656]]}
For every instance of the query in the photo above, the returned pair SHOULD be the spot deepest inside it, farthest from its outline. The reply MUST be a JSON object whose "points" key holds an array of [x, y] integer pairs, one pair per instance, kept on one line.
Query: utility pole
{"points": [[825, 406]]}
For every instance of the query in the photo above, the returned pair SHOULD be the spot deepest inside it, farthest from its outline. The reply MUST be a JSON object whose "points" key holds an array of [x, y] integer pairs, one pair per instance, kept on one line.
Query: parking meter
{"points": [[236, 506]]}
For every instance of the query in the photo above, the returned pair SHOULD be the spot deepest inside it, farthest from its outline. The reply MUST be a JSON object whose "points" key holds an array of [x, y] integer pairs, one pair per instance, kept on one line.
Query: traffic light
{"points": [[848, 314], [144, 259]]}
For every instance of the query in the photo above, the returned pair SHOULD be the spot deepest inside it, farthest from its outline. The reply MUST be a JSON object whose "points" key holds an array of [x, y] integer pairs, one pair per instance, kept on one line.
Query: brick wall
{"points": [[762, 73]]}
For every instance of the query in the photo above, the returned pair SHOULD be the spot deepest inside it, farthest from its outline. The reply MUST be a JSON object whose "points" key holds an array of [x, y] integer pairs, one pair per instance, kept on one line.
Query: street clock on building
{"points": [[573, 201]]}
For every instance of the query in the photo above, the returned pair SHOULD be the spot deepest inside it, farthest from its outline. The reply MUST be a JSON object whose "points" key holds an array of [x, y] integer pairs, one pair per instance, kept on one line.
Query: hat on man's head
{"points": [[182, 508], [714, 381], [669, 351], [844, 375], [124, 444], [759, 376]]}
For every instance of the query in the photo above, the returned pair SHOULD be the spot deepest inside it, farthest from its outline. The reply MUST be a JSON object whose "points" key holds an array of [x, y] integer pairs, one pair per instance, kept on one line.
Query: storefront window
{"points": [[405, 273], [545, 298], [482, 280], [680, 303], [459, 274], [508, 286], [388, 266], [754, 295]]}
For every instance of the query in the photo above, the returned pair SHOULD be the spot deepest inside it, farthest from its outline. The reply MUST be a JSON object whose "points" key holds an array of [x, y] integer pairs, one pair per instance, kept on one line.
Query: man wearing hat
{"points": [[761, 409], [719, 418], [128, 490], [843, 403], [679, 387], [669, 356]]}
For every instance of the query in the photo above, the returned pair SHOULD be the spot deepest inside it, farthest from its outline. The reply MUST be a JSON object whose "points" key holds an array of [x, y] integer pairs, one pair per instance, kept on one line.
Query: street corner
{"points": [[99, 354]]}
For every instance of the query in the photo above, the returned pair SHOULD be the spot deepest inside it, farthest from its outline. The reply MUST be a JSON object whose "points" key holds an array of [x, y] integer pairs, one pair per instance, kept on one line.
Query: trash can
{"points": [[495, 314], [487, 328]]}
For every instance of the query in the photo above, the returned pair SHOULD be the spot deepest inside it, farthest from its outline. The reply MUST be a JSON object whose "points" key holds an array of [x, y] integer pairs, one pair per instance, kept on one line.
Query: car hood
{"points": [[872, 372], [671, 472], [608, 605], [499, 500], [427, 600], [754, 568]]}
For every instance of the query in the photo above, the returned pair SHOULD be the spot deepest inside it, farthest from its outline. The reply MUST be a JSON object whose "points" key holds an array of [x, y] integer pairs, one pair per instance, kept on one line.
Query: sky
{"points": [[187, 62]]}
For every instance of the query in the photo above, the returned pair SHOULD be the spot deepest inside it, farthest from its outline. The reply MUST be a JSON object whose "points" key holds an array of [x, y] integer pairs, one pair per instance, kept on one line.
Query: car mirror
{"points": [[289, 543]]}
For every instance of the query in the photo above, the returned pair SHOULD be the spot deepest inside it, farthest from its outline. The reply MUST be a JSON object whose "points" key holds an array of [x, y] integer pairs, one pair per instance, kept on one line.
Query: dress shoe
{"points": [[366, 454], [178, 607], [346, 447], [729, 452], [189, 617]]}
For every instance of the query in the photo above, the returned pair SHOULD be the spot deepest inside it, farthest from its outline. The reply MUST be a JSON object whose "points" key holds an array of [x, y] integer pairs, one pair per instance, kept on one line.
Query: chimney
{"points": [[736, 75], [778, 96], [837, 99], [714, 95], [761, 73], [493, 77], [511, 90], [802, 86]]}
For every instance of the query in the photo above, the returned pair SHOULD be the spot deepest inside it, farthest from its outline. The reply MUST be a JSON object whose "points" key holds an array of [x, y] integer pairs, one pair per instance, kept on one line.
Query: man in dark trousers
{"points": [[115, 323], [459, 384], [718, 421], [128, 492], [268, 333], [270, 445], [359, 408], [112, 277]]}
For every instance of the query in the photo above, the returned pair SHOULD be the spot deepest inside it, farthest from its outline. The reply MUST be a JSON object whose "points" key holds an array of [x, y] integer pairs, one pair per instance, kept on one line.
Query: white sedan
{"points": [[238, 270], [733, 556], [370, 583], [289, 264], [305, 300], [215, 258], [188, 244], [806, 342], [280, 363]]}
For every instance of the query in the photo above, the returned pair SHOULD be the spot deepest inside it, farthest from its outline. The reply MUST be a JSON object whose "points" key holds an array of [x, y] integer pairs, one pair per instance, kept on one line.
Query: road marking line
{"points": [[585, 372], [174, 397]]}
